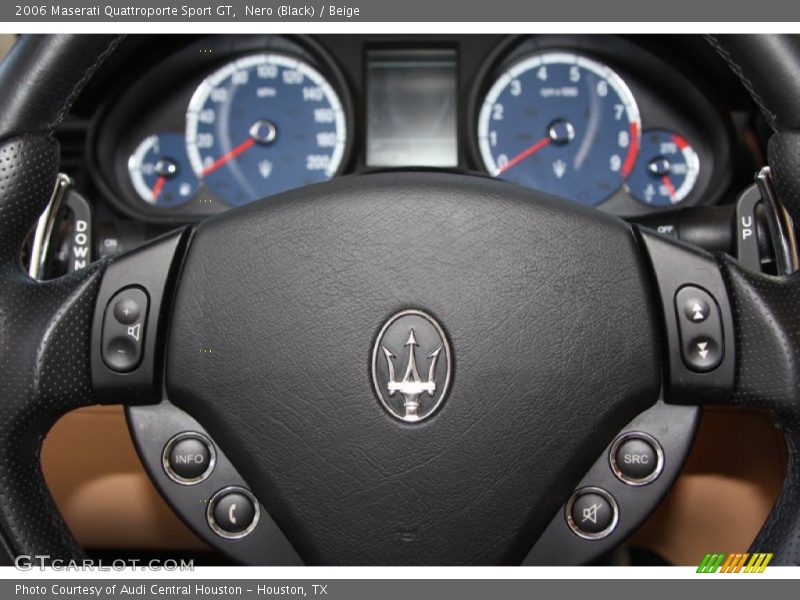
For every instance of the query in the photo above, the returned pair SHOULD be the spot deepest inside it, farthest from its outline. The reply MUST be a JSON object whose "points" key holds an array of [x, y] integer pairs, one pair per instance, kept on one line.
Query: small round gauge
{"points": [[160, 170], [264, 124], [562, 123], [666, 170]]}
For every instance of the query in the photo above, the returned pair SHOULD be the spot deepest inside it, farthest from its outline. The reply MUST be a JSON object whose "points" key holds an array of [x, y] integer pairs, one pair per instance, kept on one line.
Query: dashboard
{"points": [[176, 128], [198, 125]]}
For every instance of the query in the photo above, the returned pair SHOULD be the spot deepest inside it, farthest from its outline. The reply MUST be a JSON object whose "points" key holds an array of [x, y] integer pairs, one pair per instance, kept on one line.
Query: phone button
{"points": [[233, 513]]}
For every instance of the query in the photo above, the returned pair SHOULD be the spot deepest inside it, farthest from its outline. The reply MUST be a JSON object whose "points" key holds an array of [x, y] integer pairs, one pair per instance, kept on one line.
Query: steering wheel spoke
{"points": [[131, 321], [697, 323]]}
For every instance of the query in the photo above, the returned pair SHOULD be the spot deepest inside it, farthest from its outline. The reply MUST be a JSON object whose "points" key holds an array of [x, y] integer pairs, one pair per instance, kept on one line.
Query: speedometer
{"points": [[562, 123], [264, 124]]}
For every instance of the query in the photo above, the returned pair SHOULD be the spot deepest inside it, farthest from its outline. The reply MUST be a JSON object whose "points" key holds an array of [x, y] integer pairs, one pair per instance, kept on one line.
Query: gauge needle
{"points": [[522, 155], [248, 143], [670, 188], [158, 187]]}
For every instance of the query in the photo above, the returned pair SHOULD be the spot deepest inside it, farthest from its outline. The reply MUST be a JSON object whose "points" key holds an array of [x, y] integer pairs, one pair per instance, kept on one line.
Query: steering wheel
{"points": [[436, 354]]}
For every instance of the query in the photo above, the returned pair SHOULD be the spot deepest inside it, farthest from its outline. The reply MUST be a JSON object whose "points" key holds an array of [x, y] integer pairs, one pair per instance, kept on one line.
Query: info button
{"points": [[189, 458]]}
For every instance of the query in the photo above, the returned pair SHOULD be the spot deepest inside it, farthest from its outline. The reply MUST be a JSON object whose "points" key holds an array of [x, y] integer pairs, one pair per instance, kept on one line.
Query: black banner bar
{"points": [[728, 587], [244, 11]]}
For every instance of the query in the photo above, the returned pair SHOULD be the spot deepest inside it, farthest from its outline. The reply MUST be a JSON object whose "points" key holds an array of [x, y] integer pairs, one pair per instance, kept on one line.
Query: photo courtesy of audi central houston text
{"points": [[400, 299]]}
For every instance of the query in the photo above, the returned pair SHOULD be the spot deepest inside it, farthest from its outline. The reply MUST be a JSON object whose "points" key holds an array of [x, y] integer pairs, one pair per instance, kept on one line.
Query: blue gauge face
{"points": [[561, 123], [262, 125], [160, 171], [666, 170]]}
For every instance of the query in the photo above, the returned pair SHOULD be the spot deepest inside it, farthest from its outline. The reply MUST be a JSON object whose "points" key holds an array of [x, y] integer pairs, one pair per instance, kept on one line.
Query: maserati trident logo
{"points": [[411, 365]]}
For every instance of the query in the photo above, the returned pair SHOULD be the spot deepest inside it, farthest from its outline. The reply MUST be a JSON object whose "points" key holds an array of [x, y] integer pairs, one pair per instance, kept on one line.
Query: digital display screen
{"points": [[411, 108]]}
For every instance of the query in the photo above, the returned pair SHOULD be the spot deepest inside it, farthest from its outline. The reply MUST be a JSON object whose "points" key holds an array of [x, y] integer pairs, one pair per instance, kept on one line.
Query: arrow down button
{"points": [[700, 329]]}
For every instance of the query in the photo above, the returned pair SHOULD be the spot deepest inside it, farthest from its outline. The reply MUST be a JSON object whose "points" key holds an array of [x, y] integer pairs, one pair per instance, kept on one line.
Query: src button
{"points": [[636, 458], [123, 330]]}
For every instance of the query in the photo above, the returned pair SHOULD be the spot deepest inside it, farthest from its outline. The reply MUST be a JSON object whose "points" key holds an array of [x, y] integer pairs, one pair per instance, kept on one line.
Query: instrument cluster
{"points": [[227, 120]]}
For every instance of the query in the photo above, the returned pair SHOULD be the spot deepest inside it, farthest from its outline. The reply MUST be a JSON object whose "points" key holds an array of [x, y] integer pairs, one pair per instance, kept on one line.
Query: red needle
{"points": [[523, 155], [248, 143], [158, 187], [670, 188]]}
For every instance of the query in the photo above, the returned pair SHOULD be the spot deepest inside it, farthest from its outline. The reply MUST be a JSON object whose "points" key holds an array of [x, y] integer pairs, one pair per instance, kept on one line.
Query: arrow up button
{"points": [[696, 309], [700, 329]]}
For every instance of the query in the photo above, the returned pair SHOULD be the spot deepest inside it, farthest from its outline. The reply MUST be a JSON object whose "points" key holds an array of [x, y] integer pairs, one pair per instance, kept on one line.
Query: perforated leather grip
{"points": [[767, 309], [44, 353], [766, 313], [44, 327], [784, 160]]}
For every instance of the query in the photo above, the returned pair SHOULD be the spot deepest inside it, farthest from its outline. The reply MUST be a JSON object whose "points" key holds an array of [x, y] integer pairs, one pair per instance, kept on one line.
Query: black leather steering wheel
{"points": [[267, 326]]}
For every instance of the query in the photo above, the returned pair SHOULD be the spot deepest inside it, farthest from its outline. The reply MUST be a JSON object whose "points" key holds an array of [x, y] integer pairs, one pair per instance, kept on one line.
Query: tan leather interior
{"points": [[101, 488], [730, 482], [728, 486], [6, 41]]}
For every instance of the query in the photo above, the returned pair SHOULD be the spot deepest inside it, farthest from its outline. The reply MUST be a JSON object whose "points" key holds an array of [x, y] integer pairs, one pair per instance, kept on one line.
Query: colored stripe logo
{"points": [[735, 563]]}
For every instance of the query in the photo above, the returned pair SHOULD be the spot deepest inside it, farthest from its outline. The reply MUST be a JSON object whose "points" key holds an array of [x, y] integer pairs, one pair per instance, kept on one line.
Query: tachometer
{"points": [[562, 123], [264, 124]]}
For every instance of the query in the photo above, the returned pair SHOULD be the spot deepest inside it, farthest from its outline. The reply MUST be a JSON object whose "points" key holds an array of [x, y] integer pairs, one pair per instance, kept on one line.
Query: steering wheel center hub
{"points": [[413, 392], [312, 304]]}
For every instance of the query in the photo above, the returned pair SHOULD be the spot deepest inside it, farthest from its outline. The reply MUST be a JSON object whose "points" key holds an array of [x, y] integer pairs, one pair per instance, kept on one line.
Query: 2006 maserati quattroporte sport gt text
{"points": [[400, 299]]}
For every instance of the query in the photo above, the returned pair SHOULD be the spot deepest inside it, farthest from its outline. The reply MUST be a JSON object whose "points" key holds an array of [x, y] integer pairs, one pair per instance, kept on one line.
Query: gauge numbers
{"points": [[160, 172], [562, 123], [264, 124], [666, 171]]}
